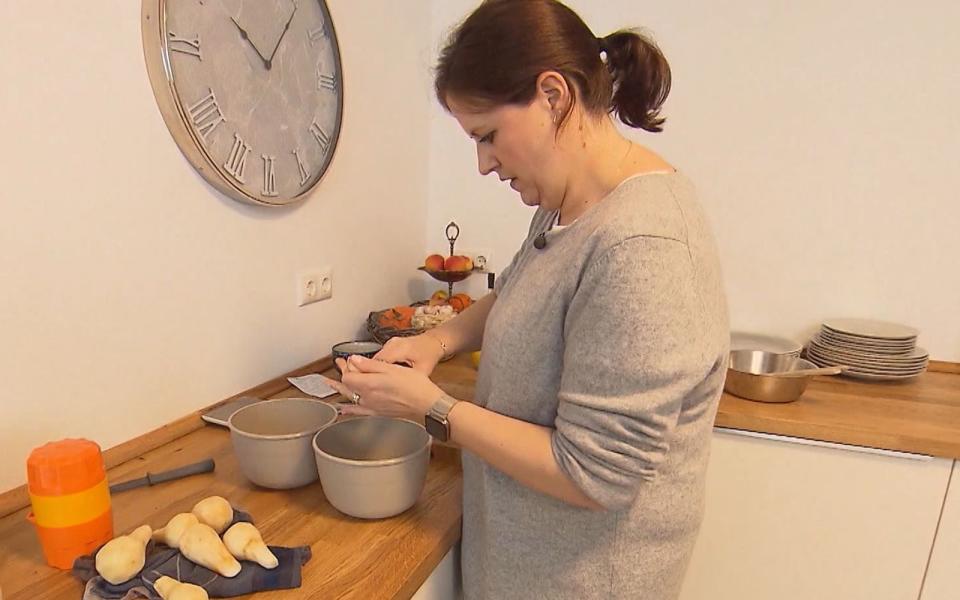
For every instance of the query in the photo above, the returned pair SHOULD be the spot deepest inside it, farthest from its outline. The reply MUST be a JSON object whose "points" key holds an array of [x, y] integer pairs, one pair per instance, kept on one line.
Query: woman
{"points": [[604, 342]]}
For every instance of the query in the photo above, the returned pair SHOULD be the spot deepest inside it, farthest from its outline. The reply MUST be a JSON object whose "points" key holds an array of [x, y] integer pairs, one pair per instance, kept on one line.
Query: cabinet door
{"points": [[444, 582], [789, 520], [943, 574]]}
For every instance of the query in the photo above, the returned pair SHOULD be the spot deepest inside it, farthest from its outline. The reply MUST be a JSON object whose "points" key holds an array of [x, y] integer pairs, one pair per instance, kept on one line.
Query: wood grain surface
{"points": [[352, 558], [391, 558]]}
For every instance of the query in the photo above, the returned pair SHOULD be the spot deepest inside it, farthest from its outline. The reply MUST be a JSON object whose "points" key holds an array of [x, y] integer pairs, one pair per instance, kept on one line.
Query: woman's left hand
{"points": [[385, 389]]}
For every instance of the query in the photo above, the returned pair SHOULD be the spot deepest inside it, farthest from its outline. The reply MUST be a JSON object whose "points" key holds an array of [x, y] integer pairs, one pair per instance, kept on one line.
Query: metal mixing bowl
{"points": [[372, 467], [746, 376], [272, 440]]}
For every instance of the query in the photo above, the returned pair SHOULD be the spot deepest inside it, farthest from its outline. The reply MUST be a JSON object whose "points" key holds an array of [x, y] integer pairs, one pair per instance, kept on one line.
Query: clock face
{"points": [[251, 90]]}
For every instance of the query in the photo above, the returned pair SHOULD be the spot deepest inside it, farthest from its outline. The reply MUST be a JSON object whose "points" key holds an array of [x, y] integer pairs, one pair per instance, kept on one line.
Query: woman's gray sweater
{"points": [[615, 334]]}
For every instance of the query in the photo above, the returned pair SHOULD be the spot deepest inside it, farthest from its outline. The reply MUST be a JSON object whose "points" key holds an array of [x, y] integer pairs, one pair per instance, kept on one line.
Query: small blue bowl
{"points": [[345, 350]]}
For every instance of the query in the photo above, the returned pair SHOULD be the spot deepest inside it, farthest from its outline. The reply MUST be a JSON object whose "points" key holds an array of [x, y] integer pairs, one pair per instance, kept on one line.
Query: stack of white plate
{"points": [[874, 350]]}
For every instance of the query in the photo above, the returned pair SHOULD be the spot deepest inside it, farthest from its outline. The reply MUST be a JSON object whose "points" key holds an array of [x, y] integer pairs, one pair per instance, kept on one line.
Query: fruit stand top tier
{"points": [[450, 277]]}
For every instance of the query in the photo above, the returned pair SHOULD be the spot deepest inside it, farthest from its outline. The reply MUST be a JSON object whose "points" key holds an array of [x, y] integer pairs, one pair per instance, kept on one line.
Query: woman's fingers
{"points": [[353, 409], [399, 352], [343, 389], [337, 385], [345, 366], [360, 364]]}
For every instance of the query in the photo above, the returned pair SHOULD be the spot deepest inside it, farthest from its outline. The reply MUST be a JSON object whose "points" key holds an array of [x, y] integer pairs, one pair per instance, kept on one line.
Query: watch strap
{"points": [[442, 407]]}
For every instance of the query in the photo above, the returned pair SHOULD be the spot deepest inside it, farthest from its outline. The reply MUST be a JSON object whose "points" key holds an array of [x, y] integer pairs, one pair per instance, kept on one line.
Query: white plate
{"points": [[743, 340], [862, 341], [866, 340], [871, 328], [834, 362], [873, 377], [824, 341], [866, 362], [912, 356], [828, 361], [876, 376], [890, 354]]}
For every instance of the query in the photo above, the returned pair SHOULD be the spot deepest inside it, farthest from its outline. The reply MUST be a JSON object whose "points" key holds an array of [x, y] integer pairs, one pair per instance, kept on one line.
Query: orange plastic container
{"points": [[68, 490]]}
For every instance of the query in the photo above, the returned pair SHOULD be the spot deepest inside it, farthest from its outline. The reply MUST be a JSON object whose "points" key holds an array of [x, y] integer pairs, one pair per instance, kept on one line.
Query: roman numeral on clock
{"points": [[316, 35], [237, 161], [304, 175], [185, 45], [205, 114], [269, 177], [323, 138], [326, 82]]}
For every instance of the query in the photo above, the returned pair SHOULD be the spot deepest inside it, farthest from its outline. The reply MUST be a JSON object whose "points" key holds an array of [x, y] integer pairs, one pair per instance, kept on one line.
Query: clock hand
{"points": [[244, 35], [285, 28]]}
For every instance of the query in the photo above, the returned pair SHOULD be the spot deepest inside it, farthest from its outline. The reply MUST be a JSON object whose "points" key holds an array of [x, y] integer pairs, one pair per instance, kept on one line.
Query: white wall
{"points": [[822, 136], [130, 292], [824, 139]]}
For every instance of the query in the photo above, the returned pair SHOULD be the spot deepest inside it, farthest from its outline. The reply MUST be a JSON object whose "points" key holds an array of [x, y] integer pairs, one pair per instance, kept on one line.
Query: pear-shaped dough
{"points": [[171, 534], [171, 589], [122, 558], [214, 511], [201, 544], [244, 541]]}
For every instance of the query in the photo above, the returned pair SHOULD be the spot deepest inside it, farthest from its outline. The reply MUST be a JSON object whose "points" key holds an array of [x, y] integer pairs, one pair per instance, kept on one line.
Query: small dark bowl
{"points": [[344, 350]]}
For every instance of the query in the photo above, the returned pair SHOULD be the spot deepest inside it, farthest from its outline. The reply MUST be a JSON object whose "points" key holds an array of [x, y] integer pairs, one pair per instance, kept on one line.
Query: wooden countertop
{"points": [[391, 558], [352, 558], [921, 416]]}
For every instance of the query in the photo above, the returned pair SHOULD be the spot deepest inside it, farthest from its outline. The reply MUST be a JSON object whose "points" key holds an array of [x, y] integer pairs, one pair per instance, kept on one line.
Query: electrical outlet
{"points": [[315, 285], [480, 258]]}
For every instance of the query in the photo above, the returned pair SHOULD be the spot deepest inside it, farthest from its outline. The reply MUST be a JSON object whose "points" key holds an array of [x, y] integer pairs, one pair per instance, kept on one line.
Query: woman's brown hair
{"points": [[494, 58]]}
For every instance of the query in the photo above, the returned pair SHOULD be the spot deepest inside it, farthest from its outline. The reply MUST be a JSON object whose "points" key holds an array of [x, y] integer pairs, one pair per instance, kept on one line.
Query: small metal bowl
{"points": [[345, 350], [748, 376]]}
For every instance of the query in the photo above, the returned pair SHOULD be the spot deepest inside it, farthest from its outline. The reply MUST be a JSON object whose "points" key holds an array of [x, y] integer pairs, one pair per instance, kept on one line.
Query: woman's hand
{"points": [[422, 352], [385, 389]]}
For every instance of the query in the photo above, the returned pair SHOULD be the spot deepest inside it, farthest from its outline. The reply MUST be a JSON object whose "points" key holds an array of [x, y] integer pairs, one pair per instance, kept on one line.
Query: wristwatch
{"points": [[436, 421]]}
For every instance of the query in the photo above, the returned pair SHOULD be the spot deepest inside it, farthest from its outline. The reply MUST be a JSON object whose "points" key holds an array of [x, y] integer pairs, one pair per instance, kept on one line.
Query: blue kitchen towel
{"points": [[164, 560]]}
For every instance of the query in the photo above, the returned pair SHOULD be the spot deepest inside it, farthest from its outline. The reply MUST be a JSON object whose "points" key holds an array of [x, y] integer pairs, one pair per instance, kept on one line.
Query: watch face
{"points": [[256, 87], [435, 427]]}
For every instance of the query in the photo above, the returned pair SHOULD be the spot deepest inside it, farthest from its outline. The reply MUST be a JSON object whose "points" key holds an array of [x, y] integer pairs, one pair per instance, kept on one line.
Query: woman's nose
{"points": [[486, 162]]}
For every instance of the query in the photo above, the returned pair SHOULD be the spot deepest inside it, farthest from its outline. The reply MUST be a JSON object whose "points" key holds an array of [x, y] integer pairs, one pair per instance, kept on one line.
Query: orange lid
{"points": [[64, 467]]}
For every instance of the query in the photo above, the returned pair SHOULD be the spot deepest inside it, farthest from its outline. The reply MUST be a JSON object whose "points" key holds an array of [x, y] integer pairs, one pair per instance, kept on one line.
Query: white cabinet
{"points": [[793, 521], [444, 582], [943, 574]]}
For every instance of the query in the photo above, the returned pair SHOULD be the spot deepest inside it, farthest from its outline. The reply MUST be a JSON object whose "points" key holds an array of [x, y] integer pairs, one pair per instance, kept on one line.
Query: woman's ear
{"points": [[554, 93]]}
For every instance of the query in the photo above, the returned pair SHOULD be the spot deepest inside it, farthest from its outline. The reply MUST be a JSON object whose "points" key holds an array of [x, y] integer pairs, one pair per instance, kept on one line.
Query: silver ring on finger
{"points": [[355, 398]]}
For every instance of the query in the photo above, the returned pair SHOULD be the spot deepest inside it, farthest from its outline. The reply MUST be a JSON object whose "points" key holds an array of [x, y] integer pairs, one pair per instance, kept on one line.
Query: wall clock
{"points": [[251, 91]]}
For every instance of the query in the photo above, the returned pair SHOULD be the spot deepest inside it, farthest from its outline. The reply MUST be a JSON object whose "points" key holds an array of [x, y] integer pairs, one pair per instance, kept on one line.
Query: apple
{"points": [[434, 262], [458, 263], [439, 298]]}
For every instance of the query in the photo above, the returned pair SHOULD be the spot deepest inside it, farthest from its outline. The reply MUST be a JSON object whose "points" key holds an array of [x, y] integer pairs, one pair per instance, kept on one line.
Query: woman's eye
{"points": [[487, 138]]}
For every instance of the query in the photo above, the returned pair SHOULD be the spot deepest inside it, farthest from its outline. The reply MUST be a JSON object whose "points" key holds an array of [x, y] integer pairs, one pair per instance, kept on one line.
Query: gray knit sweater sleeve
{"points": [[629, 361]]}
